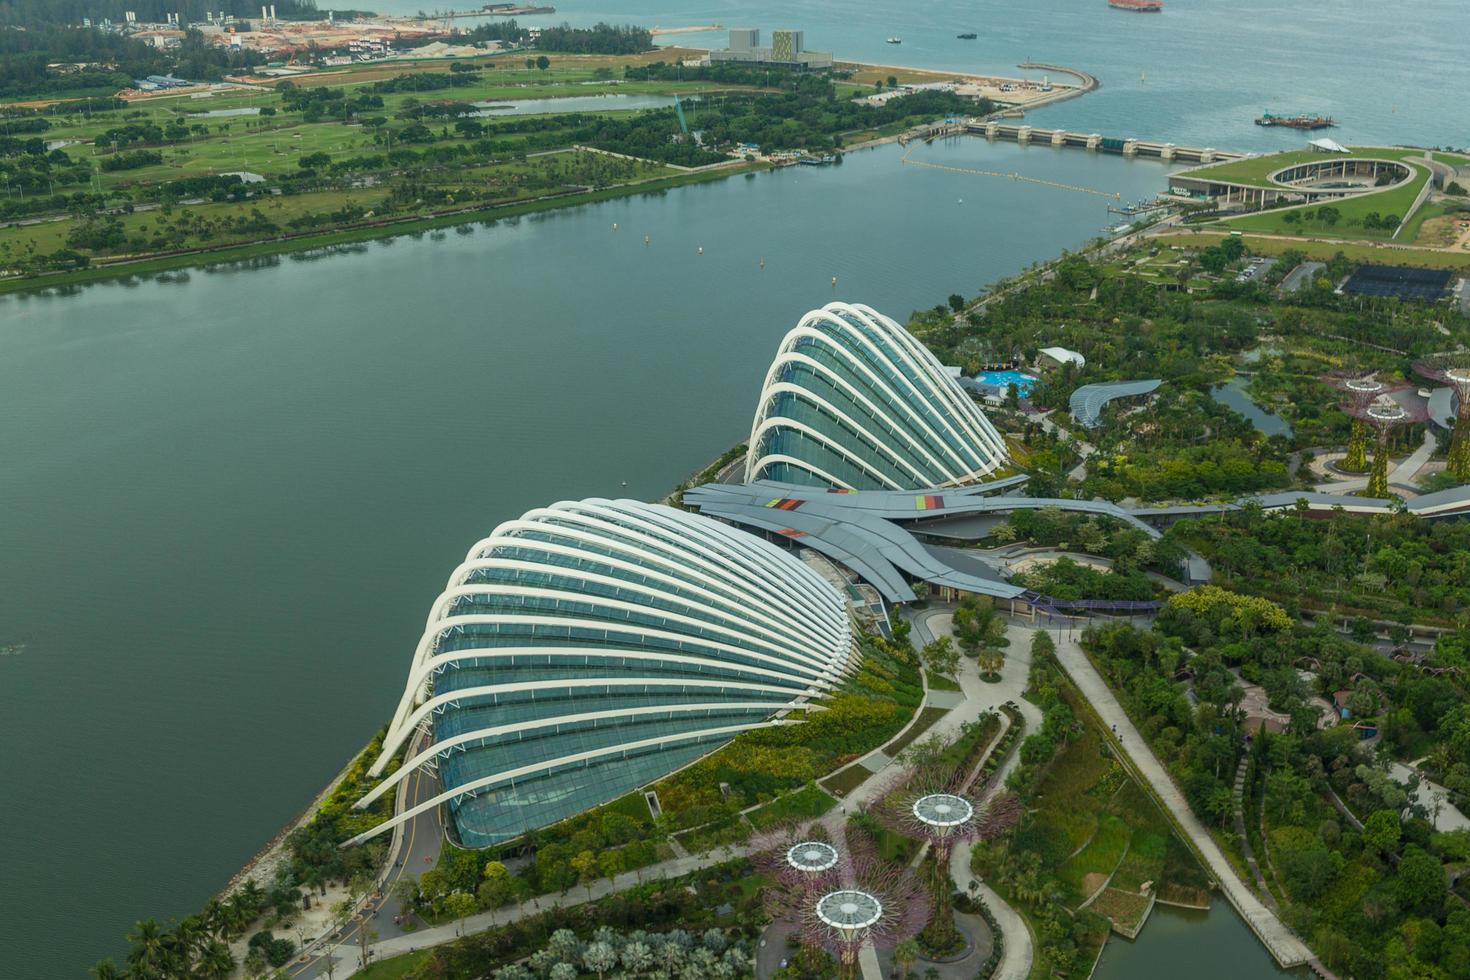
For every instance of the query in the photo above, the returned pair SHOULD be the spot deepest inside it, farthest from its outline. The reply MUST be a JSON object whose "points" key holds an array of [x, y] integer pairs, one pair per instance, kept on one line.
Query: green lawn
{"points": [[1389, 201], [807, 803], [942, 682], [1256, 171], [395, 967], [1323, 251]]}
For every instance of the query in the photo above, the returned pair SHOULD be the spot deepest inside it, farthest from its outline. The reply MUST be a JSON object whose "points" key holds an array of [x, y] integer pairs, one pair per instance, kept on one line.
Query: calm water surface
{"points": [[572, 103], [1213, 945], [1233, 394], [1387, 71], [227, 503]]}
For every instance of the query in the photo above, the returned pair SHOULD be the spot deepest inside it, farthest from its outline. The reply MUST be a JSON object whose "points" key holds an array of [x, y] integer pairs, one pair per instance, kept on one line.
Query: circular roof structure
{"points": [[812, 856], [849, 910], [1391, 412], [943, 810], [1363, 386]]}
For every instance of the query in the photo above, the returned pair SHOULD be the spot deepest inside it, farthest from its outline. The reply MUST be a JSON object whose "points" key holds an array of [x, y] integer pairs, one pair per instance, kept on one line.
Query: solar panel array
{"points": [[1405, 283]]}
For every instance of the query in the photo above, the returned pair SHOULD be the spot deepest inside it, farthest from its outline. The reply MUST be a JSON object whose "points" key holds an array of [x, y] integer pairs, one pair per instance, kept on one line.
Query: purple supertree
{"points": [[882, 904], [838, 896], [1362, 390], [1384, 415], [1457, 377], [935, 810]]}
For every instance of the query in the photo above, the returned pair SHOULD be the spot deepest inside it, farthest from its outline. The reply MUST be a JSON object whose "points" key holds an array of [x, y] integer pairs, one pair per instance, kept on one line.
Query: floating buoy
{"points": [[701, 250], [615, 226], [763, 261], [834, 282], [645, 239]]}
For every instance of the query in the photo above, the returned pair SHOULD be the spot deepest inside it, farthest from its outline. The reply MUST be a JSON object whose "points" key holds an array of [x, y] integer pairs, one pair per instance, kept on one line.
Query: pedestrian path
{"points": [[1284, 946]]}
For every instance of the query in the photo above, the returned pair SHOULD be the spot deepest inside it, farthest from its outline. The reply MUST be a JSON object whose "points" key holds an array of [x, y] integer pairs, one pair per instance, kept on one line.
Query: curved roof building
{"points": [[854, 402], [590, 648]]}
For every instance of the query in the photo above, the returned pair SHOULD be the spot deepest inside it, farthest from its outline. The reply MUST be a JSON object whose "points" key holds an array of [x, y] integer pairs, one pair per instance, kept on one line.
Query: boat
{"points": [[1138, 6], [969, 36], [895, 40], [1297, 122]]}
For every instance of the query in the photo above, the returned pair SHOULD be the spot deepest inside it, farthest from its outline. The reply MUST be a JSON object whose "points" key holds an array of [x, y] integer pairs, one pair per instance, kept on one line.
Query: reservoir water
{"points": [[1213, 945], [1197, 74], [229, 498]]}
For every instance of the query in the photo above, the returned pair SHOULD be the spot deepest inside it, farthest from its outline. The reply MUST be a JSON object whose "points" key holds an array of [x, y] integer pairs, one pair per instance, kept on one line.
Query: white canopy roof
{"points": [[1327, 146]]}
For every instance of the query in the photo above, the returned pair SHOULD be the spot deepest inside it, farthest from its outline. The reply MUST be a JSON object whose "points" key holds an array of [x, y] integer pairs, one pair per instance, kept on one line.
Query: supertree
{"points": [[932, 809], [1456, 377], [1361, 390], [1384, 415], [883, 903], [839, 898]]}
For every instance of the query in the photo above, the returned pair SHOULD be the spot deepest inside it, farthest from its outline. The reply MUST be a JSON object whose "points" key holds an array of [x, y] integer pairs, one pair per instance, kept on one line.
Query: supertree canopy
{"points": [[1361, 390], [1384, 415], [930, 808], [839, 897], [1457, 377]]}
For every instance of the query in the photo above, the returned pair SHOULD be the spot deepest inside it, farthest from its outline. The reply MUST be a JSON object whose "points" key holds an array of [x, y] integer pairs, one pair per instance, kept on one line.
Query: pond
{"points": [[572, 103], [1232, 394]]}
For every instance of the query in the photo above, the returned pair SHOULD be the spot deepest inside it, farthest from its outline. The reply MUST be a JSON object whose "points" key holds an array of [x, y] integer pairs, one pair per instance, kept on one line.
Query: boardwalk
{"points": [[1283, 945]]}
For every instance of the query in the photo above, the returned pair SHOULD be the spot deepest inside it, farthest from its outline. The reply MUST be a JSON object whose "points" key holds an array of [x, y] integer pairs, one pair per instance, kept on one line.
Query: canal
{"points": [[1232, 394], [229, 497]]}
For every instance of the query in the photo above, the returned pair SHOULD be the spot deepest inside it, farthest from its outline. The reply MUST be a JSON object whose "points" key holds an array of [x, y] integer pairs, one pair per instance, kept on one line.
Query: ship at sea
{"points": [[1297, 122], [1138, 6], [967, 36]]}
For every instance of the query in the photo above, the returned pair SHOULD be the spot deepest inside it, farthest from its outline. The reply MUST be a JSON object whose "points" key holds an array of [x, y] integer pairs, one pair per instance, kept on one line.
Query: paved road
{"points": [[1401, 475], [1018, 950], [1301, 276], [1433, 797], [422, 841], [1283, 945]]}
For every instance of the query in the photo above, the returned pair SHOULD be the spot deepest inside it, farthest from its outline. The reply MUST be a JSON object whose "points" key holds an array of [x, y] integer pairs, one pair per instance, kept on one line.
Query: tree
{"points": [[893, 81], [956, 302], [1421, 883], [990, 661], [1381, 831], [905, 954], [637, 957], [406, 894], [600, 958], [216, 961], [460, 905], [940, 656], [543, 62], [498, 887], [585, 864]]}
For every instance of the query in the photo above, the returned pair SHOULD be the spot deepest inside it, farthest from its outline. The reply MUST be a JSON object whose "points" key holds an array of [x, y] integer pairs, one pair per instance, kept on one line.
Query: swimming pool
{"points": [[1004, 379]]}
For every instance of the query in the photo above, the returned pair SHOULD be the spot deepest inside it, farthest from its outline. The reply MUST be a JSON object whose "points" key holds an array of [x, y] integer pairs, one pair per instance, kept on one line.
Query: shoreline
{"points": [[364, 232]]}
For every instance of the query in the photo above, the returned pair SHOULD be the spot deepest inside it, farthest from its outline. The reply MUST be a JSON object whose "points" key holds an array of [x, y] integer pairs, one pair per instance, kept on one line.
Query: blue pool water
{"points": [[1005, 379]]}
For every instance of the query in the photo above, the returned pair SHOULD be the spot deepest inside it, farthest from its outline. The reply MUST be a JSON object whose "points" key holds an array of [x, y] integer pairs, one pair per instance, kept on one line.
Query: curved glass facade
{"points": [[591, 648], [852, 401]]}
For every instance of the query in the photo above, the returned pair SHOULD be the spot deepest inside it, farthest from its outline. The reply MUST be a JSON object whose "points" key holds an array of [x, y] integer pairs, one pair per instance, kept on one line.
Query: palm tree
{"points": [[107, 970], [147, 938], [905, 954], [216, 961]]}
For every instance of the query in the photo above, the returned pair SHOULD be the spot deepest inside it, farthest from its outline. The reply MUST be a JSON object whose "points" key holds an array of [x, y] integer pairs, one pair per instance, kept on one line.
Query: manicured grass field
{"points": [[1323, 251], [1256, 171], [395, 967], [807, 803], [1390, 201]]}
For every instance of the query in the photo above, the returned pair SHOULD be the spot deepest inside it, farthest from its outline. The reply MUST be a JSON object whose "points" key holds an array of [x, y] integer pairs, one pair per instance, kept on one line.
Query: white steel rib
{"points": [[611, 633], [926, 431]]}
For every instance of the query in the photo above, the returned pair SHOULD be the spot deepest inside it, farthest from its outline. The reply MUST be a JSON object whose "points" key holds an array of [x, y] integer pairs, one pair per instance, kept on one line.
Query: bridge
{"points": [[1024, 133]]}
